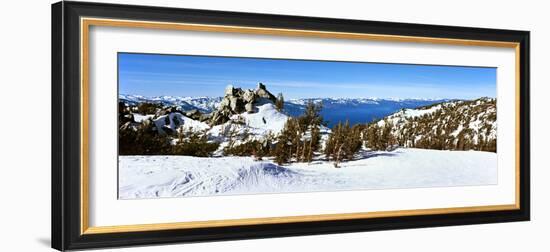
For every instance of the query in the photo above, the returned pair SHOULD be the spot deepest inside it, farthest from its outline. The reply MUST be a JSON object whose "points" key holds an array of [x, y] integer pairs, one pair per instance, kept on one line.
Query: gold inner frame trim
{"points": [[288, 219], [85, 24]]}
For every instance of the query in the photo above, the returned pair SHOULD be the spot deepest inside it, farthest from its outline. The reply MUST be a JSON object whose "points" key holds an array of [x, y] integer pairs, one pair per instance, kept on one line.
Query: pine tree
{"points": [[285, 142], [386, 139], [480, 142], [343, 142], [280, 102], [310, 122], [312, 115], [373, 136], [300, 137], [343, 149], [281, 151], [353, 141], [314, 143], [338, 139]]}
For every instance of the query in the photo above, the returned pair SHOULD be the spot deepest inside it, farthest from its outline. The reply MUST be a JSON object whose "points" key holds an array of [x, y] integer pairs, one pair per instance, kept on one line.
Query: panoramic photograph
{"points": [[193, 125]]}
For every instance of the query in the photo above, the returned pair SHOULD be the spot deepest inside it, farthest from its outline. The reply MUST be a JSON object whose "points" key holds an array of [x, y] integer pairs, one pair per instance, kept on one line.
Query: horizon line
{"points": [[311, 98]]}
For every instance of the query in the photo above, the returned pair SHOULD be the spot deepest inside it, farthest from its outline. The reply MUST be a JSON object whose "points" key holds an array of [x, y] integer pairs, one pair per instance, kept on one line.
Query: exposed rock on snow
{"points": [[194, 114], [262, 92], [237, 101], [171, 123]]}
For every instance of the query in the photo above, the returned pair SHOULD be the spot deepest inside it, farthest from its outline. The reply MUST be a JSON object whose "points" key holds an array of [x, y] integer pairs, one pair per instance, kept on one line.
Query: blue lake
{"points": [[335, 111]]}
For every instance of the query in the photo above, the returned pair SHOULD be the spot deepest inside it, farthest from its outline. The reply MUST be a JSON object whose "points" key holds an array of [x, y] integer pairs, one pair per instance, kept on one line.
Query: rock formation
{"points": [[237, 100]]}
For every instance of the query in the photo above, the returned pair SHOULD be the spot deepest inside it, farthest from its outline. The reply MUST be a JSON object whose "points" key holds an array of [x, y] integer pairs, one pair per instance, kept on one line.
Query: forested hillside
{"points": [[454, 125]]}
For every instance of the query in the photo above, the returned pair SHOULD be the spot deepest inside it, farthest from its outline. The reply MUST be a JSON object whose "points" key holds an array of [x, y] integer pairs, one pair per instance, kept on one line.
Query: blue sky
{"points": [[179, 75]]}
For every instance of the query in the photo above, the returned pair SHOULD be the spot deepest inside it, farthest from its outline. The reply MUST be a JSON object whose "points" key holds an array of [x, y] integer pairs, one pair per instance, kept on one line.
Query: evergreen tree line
{"points": [[379, 136], [344, 142], [257, 148], [300, 137], [145, 140]]}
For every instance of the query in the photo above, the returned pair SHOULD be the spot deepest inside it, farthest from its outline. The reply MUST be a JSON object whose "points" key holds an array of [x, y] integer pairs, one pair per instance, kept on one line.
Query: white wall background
{"points": [[25, 125]]}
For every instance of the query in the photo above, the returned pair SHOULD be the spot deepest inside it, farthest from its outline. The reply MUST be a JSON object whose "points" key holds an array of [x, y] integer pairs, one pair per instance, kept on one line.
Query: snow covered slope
{"points": [[250, 125], [267, 119], [450, 125], [178, 176]]}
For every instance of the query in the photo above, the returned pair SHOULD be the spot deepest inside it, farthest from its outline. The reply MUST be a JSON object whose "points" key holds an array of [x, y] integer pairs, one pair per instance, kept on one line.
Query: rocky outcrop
{"points": [[262, 92], [194, 114], [237, 101], [167, 111]]}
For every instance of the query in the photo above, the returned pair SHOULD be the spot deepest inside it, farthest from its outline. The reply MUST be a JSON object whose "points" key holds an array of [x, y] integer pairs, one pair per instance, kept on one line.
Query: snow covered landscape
{"points": [[394, 165], [176, 176], [224, 139]]}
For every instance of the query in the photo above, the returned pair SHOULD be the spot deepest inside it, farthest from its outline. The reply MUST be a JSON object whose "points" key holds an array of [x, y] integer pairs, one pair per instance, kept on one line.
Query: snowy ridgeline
{"points": [[179, 176]]}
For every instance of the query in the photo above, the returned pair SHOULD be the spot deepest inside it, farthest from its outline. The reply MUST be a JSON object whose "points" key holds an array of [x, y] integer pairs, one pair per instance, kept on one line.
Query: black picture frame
{"points": [[66, 114]]}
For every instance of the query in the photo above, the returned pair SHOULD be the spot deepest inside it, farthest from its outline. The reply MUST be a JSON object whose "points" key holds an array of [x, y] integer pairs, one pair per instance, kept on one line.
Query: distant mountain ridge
{"points": [[356, 110], [203, 104]]}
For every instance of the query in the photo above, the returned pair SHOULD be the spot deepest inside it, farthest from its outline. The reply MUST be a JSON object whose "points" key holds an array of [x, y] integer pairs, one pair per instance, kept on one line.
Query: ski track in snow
{"points": [[178, 176]]}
